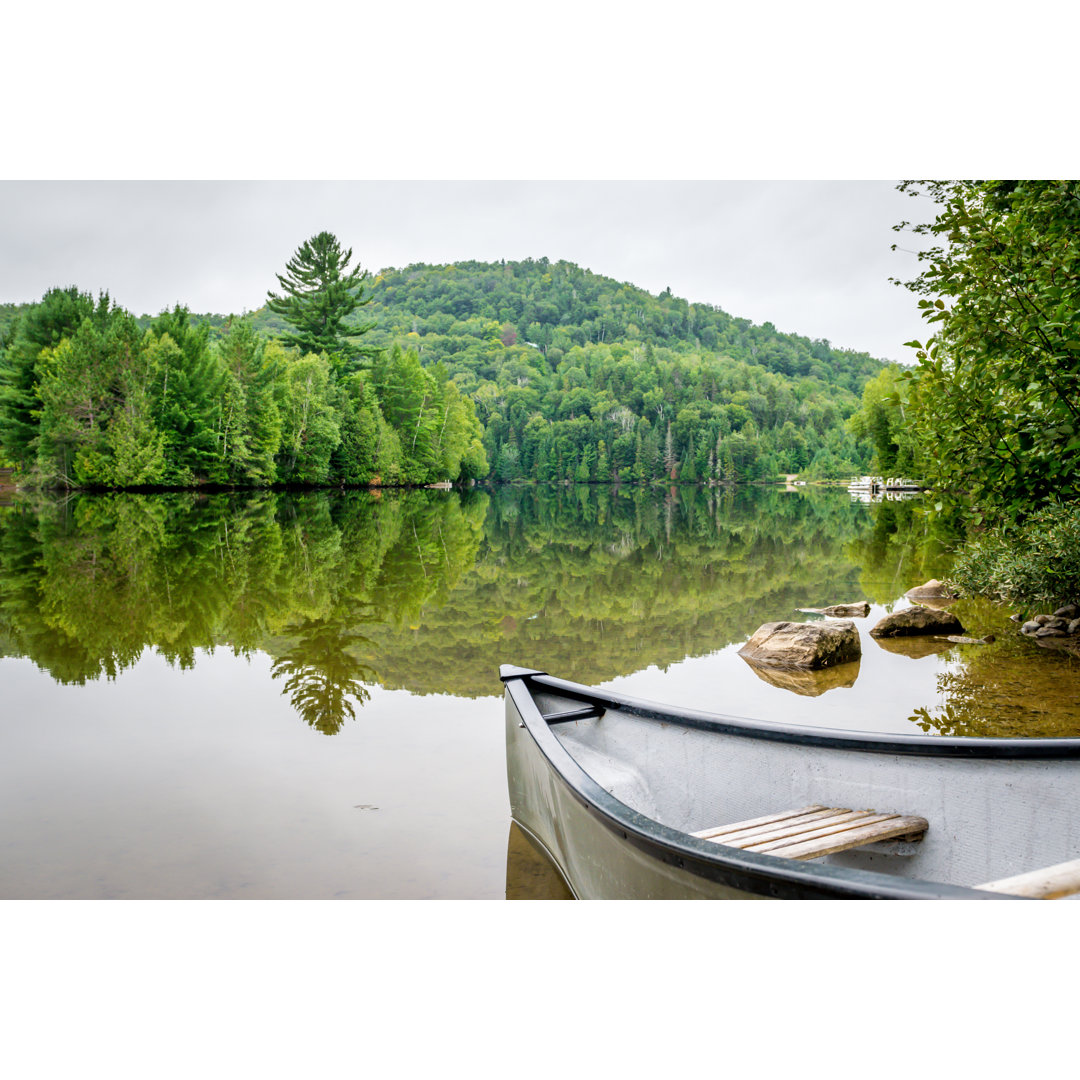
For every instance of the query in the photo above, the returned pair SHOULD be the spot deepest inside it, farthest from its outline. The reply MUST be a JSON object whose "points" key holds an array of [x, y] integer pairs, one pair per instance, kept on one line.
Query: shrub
{"points": [[1036, 563]]}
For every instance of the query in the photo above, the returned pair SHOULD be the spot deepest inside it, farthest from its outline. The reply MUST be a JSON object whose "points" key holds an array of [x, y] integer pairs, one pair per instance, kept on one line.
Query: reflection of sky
{"points": [[887, 691], [165, 783], [205, 783]]}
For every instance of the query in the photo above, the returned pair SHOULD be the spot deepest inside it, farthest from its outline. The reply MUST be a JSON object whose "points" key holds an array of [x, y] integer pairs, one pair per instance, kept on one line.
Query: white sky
{"points": [[813, 257], [629, 139]]}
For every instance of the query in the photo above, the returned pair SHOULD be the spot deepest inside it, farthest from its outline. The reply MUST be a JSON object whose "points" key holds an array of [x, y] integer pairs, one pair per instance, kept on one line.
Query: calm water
{"points": [[296, 696]]}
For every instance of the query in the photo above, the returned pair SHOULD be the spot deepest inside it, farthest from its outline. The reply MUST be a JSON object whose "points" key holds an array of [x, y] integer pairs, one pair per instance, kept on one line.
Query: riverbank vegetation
{"points": [[518, 371], [989, 416]]}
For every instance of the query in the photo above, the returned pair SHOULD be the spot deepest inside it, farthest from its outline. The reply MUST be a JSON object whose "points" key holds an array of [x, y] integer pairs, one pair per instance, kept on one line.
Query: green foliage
{"points": [[1036, 562], [251, 420], [39, 326], [105, 403], [310, 429], [996, 395], [320, 293], [531, 371], [189, 386], [881, 419], [95, 405], [592, 359]]}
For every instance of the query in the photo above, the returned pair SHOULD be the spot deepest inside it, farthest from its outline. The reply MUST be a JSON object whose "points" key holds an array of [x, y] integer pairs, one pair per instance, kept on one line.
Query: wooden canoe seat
{"points": [[1050, 883], [814, 831]]}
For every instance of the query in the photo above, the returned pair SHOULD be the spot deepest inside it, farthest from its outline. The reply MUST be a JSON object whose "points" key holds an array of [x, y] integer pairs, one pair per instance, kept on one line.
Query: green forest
{"points": [[989, 414], [91, 397], [541, 371], [530, 371]]}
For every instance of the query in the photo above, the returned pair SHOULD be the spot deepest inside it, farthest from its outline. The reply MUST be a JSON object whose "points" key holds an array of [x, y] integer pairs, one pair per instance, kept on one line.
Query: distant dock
{"points": [[867, 487]]}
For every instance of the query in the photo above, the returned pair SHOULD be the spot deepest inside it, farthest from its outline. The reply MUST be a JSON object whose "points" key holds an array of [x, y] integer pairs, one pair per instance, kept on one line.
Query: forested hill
{"points": [[576, 375], [556, 306]]}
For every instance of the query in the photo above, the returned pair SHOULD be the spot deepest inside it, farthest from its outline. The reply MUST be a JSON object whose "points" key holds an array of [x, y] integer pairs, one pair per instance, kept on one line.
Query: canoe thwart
{"points": [[813, 831], [1049, 883]]}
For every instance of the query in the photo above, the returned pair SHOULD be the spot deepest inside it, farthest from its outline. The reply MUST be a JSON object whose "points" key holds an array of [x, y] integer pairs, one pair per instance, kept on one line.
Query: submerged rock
{"points": [[843, 611], [918, 620], [803, 645]]}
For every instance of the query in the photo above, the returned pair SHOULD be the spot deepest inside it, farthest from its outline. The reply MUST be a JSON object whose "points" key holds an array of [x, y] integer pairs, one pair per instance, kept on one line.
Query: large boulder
{"points": [[803, 645], [918, 620], [931, 590]]}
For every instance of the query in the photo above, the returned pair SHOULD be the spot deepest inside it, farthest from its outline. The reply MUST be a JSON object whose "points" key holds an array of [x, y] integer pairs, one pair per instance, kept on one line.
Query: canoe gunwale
{"points": [[747, 871], [834, 738]]}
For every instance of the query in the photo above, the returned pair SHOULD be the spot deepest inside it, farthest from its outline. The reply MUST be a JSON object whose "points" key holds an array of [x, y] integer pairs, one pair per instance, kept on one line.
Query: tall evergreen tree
{"points": [[57, 315], [319, 293]]}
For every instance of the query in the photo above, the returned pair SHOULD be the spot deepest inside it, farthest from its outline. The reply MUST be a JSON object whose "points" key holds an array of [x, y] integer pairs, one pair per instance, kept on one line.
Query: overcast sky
{"points": [[813, 257]]}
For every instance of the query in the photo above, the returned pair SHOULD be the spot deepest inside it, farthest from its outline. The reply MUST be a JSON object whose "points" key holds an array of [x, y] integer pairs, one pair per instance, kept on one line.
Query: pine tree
{"points": [[320, 292], [57, 315]]}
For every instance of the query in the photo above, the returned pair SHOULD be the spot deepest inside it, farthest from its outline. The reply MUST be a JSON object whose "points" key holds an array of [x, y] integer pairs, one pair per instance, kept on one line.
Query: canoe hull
{"points": [[596, 860], [614, 799]]}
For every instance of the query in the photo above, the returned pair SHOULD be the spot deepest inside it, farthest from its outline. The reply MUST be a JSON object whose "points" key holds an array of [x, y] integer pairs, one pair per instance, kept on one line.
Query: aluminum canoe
{"points": [[613, 788]]}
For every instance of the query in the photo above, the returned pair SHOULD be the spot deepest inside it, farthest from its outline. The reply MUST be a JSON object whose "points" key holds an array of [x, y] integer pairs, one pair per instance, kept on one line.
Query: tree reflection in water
{"points": [[430, 591], [322, 673]]}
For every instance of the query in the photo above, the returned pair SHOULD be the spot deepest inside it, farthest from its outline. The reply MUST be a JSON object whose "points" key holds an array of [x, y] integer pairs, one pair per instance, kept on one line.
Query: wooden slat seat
{"points": [[813, 831], [1049, 883]]}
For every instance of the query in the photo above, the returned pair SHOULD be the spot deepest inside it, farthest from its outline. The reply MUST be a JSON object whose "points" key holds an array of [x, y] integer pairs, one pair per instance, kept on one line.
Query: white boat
{"points": [[634, 800], [864, 483]]}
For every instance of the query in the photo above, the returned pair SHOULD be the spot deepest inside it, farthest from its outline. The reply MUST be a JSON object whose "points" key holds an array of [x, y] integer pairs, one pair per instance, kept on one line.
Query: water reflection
{"points": [[1007, 688], [322, 672], [808, 683], [430, 591], [530, 875]]}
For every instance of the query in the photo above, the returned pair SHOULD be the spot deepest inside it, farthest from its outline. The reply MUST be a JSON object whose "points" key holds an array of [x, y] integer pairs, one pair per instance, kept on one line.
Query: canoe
{"points": [[634, 800]]}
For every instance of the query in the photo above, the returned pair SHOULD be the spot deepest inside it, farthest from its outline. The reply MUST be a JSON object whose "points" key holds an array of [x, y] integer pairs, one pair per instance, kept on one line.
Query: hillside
{"points": [[576, 376]]}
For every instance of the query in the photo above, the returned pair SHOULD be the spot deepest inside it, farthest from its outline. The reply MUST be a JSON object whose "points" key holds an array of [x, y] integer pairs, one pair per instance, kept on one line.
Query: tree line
{"points": [[518, 371], [89, 398]]}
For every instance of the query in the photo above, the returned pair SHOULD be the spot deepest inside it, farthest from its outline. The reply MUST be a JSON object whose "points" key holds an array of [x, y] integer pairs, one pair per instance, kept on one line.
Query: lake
{"points": [[295, 695]]}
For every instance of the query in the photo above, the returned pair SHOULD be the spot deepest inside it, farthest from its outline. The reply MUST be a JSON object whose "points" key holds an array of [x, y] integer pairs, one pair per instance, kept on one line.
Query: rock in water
{"points": [[845, 611], [931, 590], [804, 645], [918, 620]]}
